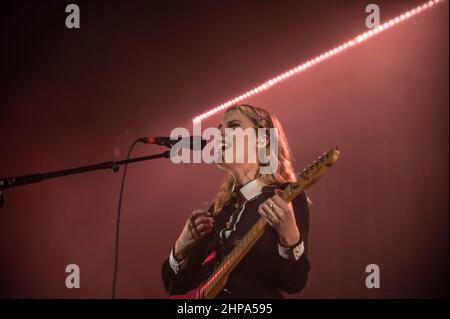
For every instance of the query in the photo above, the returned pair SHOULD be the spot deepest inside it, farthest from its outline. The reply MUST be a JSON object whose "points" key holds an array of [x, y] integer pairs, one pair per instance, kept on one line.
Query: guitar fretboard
{"points": [[235, 256]]}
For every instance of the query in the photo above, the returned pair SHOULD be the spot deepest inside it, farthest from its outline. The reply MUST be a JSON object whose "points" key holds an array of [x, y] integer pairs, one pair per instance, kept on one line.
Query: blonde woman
{"points": [[278, 262]]}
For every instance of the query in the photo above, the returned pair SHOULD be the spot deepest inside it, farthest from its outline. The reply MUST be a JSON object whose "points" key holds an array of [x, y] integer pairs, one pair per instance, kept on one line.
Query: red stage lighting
{"points": [[355, 41]]}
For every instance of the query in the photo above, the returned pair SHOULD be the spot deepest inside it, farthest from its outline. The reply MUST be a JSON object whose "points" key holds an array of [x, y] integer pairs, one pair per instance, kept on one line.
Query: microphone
{"points": [[192, 142]]}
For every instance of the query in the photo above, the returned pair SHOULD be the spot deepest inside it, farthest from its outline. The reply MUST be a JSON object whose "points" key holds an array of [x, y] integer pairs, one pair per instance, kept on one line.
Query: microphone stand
{"points": [[9, 182]]}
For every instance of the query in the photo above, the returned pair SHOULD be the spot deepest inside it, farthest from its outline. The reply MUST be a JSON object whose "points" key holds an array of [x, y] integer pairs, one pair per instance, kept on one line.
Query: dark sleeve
{"points": [[295, 272], [187, 278]]}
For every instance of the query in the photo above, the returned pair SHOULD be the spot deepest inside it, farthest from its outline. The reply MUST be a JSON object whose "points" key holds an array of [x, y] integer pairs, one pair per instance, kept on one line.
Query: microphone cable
{"points": [[116, 246]]}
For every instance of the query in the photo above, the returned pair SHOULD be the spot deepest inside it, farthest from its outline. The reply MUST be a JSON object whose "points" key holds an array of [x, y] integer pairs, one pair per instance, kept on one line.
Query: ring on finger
{"points": [[193, 230]]}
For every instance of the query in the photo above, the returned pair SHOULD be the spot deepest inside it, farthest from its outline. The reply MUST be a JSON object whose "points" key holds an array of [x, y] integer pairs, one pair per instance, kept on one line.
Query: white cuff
{"points": [[291, 253], [176, 265]]}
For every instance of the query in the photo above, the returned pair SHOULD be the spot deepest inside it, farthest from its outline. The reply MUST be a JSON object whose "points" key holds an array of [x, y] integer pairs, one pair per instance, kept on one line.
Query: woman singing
{"points": [[278, 261]]}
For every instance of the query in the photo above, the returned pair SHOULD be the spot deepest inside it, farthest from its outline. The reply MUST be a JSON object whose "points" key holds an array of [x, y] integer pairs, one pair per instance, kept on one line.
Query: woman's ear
{"points": [[263, 141]]}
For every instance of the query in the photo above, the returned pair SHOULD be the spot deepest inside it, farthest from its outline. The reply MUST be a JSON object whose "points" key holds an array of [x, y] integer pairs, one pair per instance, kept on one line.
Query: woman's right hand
{"points": [[198, 225]]}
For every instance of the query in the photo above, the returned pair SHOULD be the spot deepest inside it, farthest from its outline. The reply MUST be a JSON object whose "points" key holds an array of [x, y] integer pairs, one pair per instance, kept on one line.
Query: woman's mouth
{"points": [[223, 146]]}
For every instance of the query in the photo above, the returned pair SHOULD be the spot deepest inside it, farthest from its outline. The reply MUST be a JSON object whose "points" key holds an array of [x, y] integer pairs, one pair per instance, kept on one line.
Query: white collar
{"points": [[251, 189]]}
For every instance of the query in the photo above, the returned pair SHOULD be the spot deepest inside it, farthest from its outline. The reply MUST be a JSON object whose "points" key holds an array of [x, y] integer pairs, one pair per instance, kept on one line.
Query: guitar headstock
{"points": [[311, 174], [318, 167]]}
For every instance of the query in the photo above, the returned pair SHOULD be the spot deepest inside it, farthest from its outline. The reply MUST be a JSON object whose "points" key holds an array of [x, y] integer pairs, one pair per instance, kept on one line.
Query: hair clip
{"points": [[259, 117]]}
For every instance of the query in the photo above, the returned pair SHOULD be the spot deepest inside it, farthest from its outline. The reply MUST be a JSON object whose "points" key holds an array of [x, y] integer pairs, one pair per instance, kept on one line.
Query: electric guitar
{"points": [[210, 288]]}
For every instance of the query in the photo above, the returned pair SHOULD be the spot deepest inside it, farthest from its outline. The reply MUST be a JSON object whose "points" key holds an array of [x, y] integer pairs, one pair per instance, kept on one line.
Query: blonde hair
{"points": [[284, 172]]}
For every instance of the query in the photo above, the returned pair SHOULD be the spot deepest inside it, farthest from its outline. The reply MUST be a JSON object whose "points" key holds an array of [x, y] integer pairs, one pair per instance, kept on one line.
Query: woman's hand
{"points": [[198, 225], [280, 215]]}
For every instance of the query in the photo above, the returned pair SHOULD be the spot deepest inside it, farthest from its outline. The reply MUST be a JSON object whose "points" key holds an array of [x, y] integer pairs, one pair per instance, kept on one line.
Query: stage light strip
{"points": [[306, 65]]}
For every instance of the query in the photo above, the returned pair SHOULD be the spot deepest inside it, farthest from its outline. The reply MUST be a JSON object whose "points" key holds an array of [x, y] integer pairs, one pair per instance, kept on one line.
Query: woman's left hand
{"points": [[280, 215]]}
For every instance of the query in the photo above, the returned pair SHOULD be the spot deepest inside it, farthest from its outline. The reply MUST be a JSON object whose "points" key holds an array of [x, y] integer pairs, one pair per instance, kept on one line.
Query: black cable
{"points": [[116, 250]]}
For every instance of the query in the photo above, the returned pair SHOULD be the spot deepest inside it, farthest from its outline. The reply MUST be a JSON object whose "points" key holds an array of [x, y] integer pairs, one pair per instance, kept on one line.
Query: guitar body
{"points": [[193, 294], [202, 292]]}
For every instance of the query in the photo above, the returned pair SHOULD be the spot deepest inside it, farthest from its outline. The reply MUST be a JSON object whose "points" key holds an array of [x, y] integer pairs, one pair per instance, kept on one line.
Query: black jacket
{"points": [[263, 273]]}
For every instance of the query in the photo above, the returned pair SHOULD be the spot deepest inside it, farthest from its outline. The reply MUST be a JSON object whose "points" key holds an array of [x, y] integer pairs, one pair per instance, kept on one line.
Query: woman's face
{"points": [[237, 149]]}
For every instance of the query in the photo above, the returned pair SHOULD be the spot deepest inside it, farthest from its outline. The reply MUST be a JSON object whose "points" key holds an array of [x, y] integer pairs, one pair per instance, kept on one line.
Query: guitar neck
{"points": [[212, 287]]}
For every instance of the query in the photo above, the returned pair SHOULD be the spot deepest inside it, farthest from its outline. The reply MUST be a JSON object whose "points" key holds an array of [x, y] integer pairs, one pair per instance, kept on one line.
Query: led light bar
{"points": [[306, 65]]}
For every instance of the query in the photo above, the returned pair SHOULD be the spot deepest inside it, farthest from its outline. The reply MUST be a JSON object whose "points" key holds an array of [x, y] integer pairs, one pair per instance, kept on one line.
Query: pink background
{"points": [[75, 97]]}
